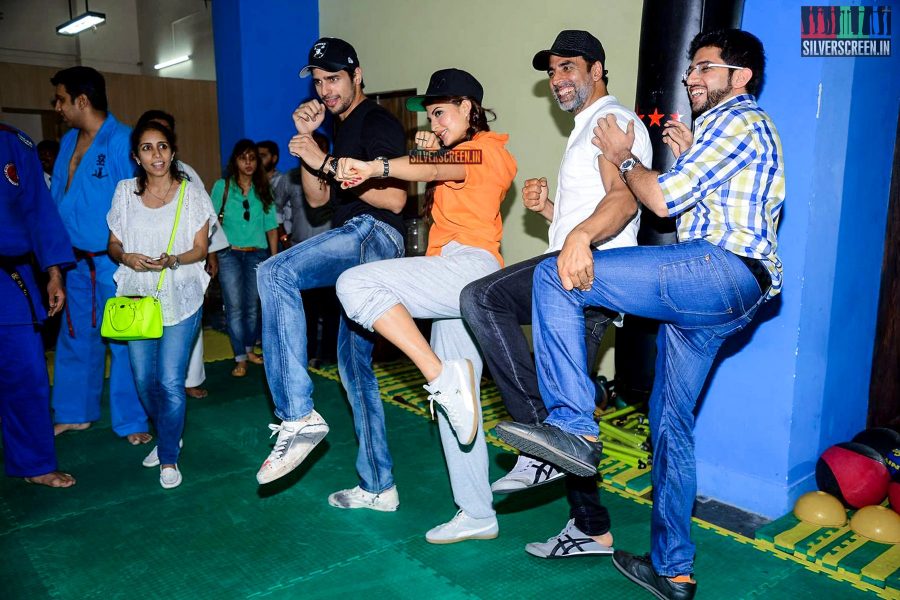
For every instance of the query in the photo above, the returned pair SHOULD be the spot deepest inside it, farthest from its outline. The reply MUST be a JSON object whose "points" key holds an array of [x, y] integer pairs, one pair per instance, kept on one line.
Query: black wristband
{"points": [[324, 162]]}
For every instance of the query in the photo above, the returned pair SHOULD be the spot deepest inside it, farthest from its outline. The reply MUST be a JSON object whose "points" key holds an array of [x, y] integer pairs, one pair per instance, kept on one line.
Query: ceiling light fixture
{"points": [[174, 61], [86, 20]]}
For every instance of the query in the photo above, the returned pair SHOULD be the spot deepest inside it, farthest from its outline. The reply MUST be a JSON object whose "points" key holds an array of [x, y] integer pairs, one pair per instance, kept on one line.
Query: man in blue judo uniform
{"points": [[93, 157], [29, 223]]}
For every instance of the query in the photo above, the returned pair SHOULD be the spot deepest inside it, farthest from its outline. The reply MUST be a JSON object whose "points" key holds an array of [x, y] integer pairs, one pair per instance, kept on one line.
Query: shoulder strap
{"points": [[162, 274], [224, 200]]}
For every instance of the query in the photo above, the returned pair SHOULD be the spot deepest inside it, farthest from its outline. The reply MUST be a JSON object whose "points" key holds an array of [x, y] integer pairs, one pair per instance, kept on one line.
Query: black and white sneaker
{"points": [[570, 542], [527, 473]]}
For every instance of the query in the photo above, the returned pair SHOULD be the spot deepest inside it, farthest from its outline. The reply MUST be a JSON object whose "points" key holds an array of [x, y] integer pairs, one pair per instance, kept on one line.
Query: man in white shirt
{"points": [[592, 208]]}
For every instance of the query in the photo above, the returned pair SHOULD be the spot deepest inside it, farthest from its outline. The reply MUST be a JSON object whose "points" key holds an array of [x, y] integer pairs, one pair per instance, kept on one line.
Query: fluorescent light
{"points": [[84, 21], [174, 61]]}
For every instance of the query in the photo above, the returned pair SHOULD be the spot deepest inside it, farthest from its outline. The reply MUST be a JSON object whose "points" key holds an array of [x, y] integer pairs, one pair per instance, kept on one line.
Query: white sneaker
{"points": [[454, 391], [170, 477], [152, 459], [386, 501], [463, 527], [296, 439], [527, 473]]}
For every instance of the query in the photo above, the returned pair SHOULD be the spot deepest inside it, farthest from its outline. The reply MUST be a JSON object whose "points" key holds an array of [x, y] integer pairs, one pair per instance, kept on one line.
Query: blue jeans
{"points": [[702, 294], [495, 308], [237, 275], [160, 367], [315, 263]]}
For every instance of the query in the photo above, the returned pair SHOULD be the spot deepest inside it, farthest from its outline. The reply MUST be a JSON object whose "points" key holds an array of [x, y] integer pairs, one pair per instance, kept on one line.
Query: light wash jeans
{"points": [[429, 288], [314, 263], [702, 294], [237, 276], [160, 367]]}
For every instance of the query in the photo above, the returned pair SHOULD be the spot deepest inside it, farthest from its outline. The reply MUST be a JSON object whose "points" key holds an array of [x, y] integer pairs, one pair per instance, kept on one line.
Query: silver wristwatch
{"points": [[176, 264], [627, 165], [387, 166]]}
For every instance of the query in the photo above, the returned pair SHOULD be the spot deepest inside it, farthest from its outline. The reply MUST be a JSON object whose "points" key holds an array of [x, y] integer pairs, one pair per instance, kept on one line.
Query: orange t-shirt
{"points": [[468, 211]]}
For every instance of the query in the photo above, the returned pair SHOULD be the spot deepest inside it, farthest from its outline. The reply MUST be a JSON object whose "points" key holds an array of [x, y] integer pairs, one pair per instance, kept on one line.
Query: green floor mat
{"points": [[839, 550], [117, 534]]}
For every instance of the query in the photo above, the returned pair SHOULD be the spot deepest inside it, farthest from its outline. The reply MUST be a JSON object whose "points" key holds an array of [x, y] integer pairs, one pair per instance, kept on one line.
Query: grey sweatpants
{"points": [[429, 288]]}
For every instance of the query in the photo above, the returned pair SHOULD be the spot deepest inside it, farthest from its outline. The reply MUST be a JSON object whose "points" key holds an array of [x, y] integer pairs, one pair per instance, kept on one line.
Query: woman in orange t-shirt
{"points": [[471, 170]]}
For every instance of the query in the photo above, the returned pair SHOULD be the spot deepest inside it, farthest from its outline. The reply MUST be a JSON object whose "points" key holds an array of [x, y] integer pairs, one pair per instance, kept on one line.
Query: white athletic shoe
{"points": [[463, 527], [454, 391], [296, 439], [386, 501], [170, 477]]}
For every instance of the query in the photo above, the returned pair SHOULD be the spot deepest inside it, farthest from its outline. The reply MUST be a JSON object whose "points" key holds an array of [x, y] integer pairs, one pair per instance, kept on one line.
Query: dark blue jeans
{"points": [[237, 275], [495, 308], [702, 294], [316, 263]]}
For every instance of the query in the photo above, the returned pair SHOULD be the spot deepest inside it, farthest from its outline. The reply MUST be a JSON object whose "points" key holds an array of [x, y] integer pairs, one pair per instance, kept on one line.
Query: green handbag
{"points": [[128, 319]]}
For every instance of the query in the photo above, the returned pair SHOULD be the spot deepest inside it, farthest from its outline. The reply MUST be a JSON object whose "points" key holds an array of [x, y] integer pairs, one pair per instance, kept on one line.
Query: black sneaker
{"points": [[570, 452], [640, 570]]}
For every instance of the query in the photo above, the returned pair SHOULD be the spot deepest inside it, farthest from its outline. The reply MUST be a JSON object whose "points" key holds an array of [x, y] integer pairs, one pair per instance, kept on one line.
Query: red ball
{"points": [[855, 474], [894, 495]]}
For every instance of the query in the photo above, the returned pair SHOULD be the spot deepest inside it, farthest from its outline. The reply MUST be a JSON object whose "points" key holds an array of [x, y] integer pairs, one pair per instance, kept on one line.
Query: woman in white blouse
{"points": [[140, 223]]}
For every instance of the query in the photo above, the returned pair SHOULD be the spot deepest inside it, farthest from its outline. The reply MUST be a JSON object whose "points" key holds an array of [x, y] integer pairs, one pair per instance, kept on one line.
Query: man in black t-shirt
{"points": [[367, 227]]}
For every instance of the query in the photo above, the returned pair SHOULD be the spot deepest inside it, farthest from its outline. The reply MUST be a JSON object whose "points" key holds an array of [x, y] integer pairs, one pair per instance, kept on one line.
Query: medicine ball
{"points": [[854, 474], [894, 495], [887, 443]]}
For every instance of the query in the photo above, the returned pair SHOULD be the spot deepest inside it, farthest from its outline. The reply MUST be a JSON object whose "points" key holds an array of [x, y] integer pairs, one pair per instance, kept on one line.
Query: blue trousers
{"points": [[315, 263], [237, 275], [160, 367], [702, 294], [81, 359], [28, 449]]}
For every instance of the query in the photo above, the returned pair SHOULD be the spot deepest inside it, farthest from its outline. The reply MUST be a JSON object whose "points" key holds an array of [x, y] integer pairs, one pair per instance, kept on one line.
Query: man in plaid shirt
{"points": [[726, 190]]}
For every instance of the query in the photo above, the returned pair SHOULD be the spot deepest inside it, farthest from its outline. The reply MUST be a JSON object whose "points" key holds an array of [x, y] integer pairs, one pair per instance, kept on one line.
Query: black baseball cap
{"points": [[448, 82], [571, 42], [330, 54]]}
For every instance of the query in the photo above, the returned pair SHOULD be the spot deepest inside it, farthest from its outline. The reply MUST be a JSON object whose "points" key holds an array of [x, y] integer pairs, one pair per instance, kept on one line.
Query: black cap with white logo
{"points": [[330, 54]]}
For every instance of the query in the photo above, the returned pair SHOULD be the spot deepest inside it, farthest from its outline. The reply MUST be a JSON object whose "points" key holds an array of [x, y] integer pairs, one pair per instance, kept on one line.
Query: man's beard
{"points": [[577, 102], [713, 98]]}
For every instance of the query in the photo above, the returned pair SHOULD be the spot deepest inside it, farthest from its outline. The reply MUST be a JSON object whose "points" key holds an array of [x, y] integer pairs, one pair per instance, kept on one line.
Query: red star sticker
{"points": [[656, 118], [676, 116]]}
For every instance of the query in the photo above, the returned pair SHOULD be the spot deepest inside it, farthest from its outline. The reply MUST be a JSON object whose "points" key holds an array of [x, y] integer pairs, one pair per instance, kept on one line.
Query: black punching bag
{"points": [[667, 29]]}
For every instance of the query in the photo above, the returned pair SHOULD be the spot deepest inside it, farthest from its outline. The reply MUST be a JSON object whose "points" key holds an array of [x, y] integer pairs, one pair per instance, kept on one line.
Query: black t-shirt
{"points": [[368, 132]]}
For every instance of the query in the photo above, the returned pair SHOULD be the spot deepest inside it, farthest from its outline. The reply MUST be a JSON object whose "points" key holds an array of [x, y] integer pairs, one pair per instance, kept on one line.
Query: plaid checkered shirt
{"points": [[728, 188]]}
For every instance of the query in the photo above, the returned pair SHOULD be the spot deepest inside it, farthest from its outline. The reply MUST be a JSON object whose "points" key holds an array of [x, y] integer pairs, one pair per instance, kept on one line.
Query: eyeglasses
{"points": [[246, 209], [703, 67]]}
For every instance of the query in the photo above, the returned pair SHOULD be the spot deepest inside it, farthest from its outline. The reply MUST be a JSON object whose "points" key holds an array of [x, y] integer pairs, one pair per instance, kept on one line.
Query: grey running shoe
{"points": [[568, 543], [296, 439], [526, 474]]}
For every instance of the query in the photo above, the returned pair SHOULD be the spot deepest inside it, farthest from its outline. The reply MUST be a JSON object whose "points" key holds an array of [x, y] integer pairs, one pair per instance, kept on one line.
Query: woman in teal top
{"points": [[244, 203]]}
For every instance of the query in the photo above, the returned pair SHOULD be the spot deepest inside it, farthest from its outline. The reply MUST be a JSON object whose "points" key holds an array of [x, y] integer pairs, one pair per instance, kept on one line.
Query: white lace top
{"points": [[146, 231]]}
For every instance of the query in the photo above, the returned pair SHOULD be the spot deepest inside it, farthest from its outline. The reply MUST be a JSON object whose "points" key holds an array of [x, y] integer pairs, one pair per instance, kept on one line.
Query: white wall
{"points": [[172, 28]]}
